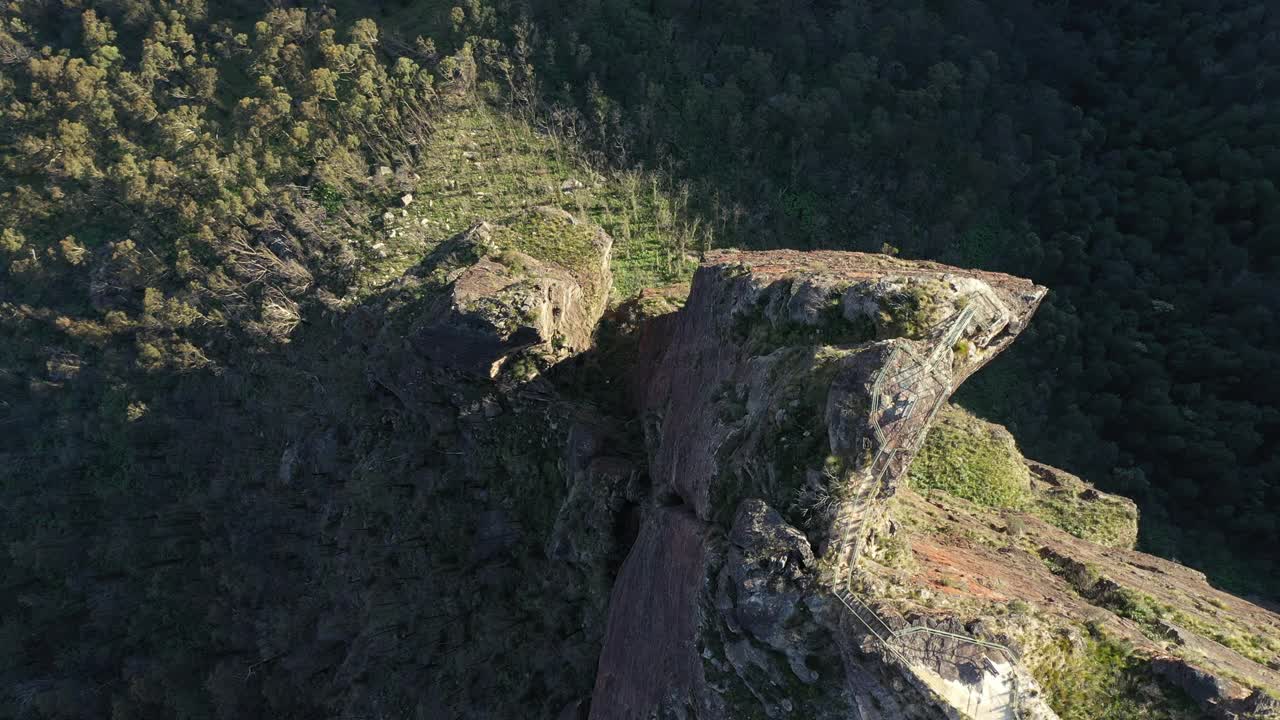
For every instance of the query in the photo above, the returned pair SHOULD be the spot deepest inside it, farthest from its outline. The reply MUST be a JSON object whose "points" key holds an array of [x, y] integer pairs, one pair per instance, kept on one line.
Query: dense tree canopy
{"points": [[164, 176]]}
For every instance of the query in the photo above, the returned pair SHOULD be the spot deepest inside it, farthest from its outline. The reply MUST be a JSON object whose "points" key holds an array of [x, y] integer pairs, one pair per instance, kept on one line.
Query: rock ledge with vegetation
{"points": [[770, 402], [799, 439]]}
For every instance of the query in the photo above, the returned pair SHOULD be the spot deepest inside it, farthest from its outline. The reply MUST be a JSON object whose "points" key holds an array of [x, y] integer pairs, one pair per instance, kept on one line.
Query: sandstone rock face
{"points": [[765, 579], [782, 398], [1071, 593], [781, 359], [650, 658], [780, 405]]}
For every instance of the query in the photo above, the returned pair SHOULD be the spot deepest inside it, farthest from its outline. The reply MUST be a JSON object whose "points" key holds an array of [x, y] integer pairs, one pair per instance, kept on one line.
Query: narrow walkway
{"points": [[906, 395]]}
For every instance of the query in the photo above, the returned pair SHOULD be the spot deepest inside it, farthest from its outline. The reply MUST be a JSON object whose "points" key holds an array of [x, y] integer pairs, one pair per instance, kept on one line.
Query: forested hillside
{"points": [[213, 508]]}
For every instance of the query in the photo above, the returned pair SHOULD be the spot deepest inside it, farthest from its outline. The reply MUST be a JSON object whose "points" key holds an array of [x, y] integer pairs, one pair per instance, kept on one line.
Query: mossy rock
{"points": [[972, 459], [899, 307], [552, 235], [799, 312], [531, 287]]}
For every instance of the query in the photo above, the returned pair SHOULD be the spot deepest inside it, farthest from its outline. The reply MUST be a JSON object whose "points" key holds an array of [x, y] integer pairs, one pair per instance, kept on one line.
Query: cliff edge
{"points": [[812, 549], [781, 406]]}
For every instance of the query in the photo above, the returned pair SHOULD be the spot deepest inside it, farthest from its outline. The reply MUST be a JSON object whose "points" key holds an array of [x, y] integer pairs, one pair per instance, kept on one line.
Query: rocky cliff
{"points": [[533, 285], [788, 567], [498, 495], [749, 497], [781, 407], [1106, 630]]}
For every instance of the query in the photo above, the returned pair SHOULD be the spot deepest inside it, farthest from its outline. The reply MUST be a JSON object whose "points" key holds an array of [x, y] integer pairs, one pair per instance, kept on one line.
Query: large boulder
{"points": [[537, 281], [768, 573], [522, 293]]}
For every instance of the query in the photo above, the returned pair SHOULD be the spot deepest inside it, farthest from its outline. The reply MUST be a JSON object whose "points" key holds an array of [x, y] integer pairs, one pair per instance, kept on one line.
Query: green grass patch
{"points": [[1155, 618], [1101, 678], [971, 459], [908, 313], [557, 239], [1104, 520]]}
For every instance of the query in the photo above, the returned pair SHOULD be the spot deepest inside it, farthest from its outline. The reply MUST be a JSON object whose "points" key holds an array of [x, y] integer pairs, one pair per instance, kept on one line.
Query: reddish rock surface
{"points": [[964, 554], [649, 648]]}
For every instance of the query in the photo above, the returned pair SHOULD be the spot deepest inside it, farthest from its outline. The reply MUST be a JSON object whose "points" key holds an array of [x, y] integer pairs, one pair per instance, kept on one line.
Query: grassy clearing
{"points": [[484, 165]]}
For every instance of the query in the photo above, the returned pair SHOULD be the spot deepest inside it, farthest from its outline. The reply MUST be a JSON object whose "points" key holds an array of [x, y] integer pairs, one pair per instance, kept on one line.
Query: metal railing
{"points": [[914, 371], [889, 639], [917, 370], [1009, 653], [857, 607]]}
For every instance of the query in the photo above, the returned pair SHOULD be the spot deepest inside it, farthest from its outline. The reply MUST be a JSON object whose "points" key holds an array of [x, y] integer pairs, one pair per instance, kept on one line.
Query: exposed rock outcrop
{"points": [[526, 291], [768, 574], [1094, 621], [651, 658], [1056, 575], [781, 404], [782, 398], [507, 299], [523, 491], [601, 507], [769, 326]]}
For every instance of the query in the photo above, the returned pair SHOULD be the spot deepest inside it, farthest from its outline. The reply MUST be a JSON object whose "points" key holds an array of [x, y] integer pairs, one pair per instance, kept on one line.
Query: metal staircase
{"points": [[891, 641], [906, 394]]}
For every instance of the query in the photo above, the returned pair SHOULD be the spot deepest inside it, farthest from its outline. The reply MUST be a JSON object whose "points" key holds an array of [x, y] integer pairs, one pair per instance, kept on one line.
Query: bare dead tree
{"points": [[12, 51]]}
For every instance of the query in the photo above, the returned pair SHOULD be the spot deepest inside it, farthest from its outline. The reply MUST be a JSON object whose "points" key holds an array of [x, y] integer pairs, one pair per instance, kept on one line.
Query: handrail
{"points": [[852, 596], [921, 370], [914, 629], [888, 646], [848, 597]]}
